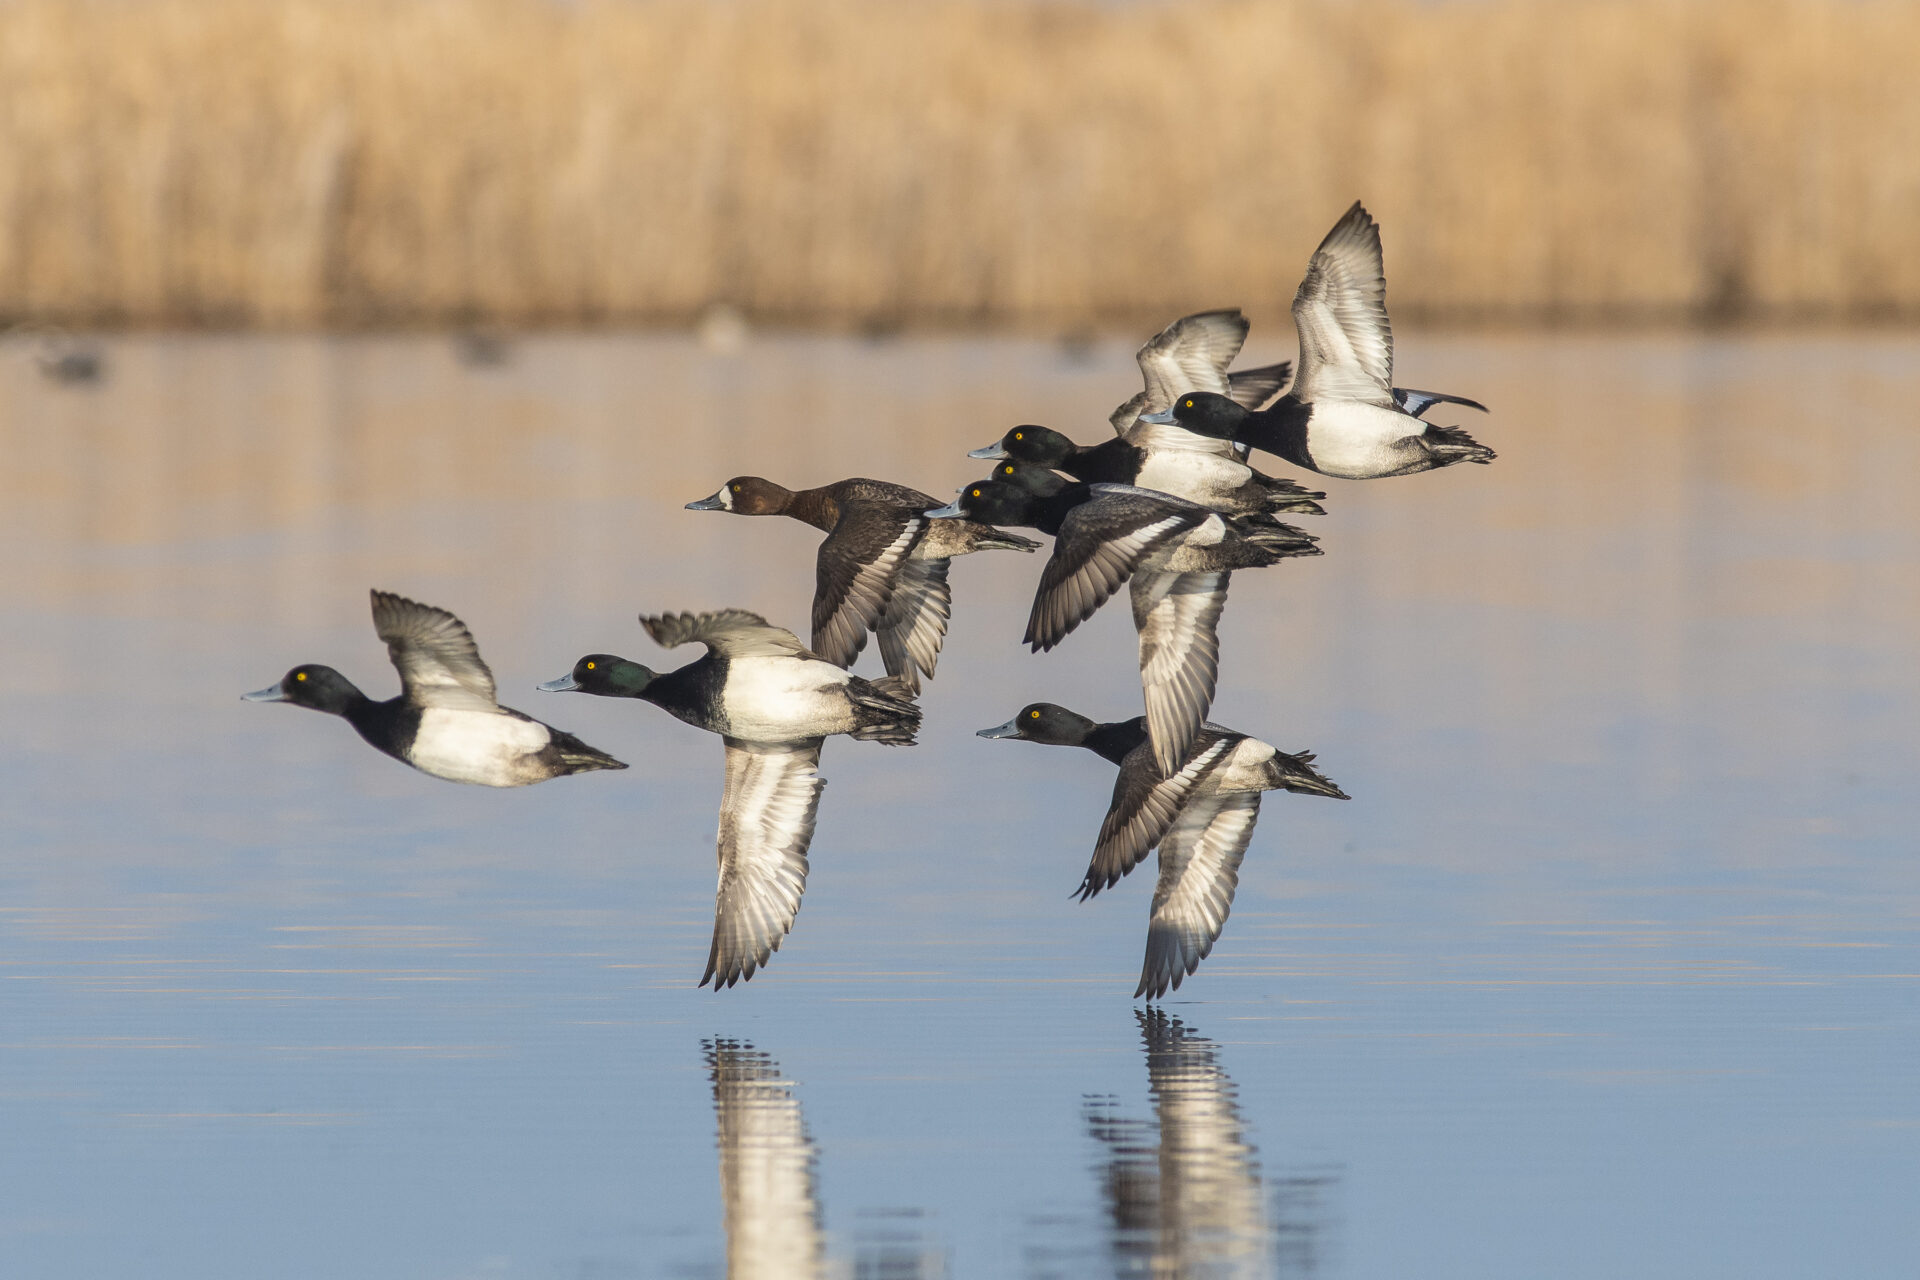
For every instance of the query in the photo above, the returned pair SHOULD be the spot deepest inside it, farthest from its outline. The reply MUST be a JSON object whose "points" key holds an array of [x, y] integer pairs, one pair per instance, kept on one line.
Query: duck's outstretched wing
{"points": [[915, 625], [1178, 618], [1099, 546], [1145, 803], [1199, 870], [1191, 354], [438, 661], [855, 575], [1340, 309], [766, 823], [736, 633], [1254, 387]]}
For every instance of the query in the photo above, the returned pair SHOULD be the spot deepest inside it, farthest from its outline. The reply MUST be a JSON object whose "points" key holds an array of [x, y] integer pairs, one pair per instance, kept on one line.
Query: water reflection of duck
{"points": [[1184, 1193], [769, 1191], [1201, 815]]}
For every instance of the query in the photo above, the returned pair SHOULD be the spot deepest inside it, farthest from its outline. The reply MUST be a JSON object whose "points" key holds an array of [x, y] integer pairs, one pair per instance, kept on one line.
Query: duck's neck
{"points": [[1115, 742], [1280, 430], [815, 507]]}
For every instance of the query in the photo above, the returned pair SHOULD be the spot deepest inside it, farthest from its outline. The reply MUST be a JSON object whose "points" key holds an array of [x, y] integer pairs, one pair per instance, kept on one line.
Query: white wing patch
{"points": [[1199, 870], [1087, 566], [1346, 342], [767, 815], [1178, 617], [1145, 803]]}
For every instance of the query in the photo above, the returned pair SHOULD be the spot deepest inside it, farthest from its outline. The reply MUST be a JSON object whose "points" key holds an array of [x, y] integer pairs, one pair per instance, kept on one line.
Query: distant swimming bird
{"points": [[883, 567], [1343, 416], [1177, 557], [773, 702], [1200, 814], [60, 356], [445, 721]]}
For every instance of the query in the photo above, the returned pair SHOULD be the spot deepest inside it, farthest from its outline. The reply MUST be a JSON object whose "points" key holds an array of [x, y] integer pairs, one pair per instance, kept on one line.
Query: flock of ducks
{"points": [[1168, 508]]}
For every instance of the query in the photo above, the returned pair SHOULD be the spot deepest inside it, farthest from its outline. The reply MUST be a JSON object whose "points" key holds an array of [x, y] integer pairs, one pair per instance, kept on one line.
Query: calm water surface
{"points": [[1610, 968]]}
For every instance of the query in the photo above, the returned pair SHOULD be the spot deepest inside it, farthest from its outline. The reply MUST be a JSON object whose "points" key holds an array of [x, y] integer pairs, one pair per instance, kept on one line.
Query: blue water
{"points": [[1609, 967]]}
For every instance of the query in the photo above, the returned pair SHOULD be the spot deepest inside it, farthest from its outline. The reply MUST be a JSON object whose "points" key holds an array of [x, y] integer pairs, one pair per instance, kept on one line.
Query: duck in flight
{"points": [[1192, 352], [1200, 816], [446, 720], [1343, 416], [1177, 558], [773, 702], [882, 568]]}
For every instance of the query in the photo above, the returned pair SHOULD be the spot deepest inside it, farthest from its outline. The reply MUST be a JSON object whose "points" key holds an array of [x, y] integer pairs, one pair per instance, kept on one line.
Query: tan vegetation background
{"points": [[1042, 162]]}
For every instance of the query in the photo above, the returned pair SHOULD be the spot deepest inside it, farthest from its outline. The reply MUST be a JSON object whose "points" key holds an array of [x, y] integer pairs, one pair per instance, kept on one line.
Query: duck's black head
{"points": [[1034, 479], [991, 502], [319, 688], [747, 496], [604, 674], [1041, 446], [1044, 722], [1204, 413]]}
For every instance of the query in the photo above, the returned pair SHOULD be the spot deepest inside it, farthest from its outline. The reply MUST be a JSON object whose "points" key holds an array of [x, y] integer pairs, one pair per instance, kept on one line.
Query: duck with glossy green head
{"points": [[1200, 816], [774, 703]]}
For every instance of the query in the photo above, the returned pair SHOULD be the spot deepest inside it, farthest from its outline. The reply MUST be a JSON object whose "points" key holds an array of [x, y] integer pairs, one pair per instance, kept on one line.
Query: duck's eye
{"points": [[976, 493], [1019, 435], [1007, 470], [591, 666], [736, 488], [1033, 715], [299, 675], [1189, 405]]}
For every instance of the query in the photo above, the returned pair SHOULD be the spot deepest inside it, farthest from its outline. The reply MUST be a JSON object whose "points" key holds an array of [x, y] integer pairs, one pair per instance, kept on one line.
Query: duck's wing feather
{"points": [[736, 633], [1199, 870], [1191, 354], [915, 625], [1254, 387], [438, 661], [1346, 344], [855, 575], [1178, 618], [766, 823], [1145, 803], [1099, 545]]}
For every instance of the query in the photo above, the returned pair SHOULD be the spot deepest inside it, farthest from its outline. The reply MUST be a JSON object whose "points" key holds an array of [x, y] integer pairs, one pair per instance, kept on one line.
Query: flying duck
{"points": [[773, 702], [1343, 416], [446, 720], [883, 566], [1201, 816], [1177, 558]]}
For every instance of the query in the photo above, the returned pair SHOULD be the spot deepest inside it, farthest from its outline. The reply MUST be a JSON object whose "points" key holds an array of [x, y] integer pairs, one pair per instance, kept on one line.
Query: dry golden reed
{"points": [[1010, 161]]}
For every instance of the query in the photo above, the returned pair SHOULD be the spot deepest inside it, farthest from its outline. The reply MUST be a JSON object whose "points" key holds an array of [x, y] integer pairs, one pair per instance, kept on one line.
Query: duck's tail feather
{"points": [[575, 756], [1450, 445], [1296, 773], [885, 711], [1268, 541], [1001, 540]]}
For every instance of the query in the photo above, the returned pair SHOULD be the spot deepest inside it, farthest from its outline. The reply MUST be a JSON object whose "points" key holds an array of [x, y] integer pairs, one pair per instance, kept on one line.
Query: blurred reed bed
{"points": [[1009, 161]]}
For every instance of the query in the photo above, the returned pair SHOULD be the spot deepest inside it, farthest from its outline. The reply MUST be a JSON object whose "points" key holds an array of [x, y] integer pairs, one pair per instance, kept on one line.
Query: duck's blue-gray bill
{"points": [[718, 502], [990, 451], [951, 510], [1164, 418], [565, 684], [1011, 729], [272, 693]]}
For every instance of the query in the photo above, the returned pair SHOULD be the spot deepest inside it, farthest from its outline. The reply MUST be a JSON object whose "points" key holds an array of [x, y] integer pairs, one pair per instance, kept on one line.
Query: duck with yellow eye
{"points": [[774, 703], [1200, 816], [882, 568], [446, 720], [1154, 458], [1175, 556], [1343, 416]]}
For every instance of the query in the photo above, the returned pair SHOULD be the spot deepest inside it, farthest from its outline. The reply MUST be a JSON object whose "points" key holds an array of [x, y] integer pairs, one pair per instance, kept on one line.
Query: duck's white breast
{"points": [[476, 746], [785, 699]]}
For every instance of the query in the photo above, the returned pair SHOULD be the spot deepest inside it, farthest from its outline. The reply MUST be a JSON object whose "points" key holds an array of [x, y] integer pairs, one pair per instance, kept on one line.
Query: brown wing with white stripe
{"points": [[767, 814], [1099, 546], [1145, 804], [855, 575]]}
